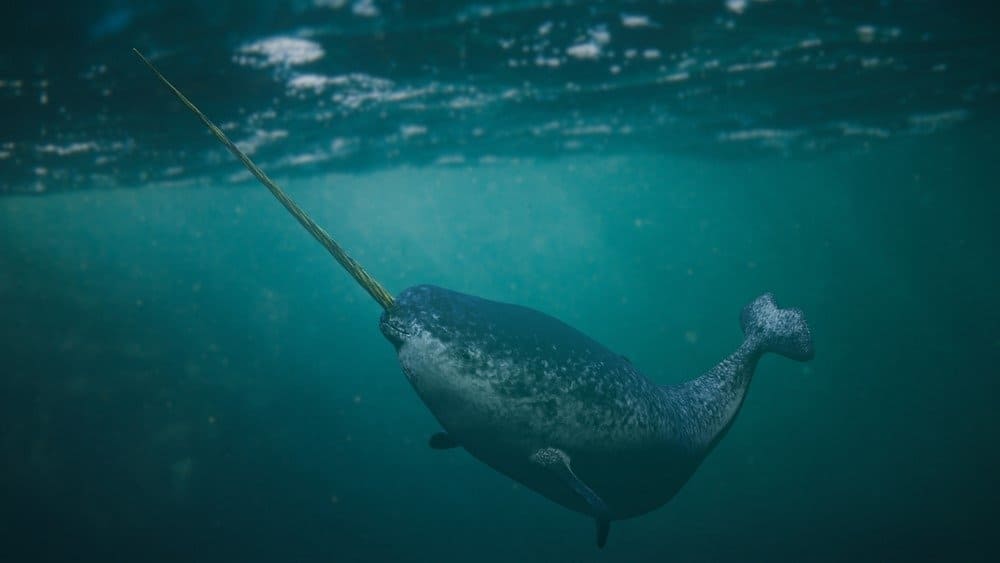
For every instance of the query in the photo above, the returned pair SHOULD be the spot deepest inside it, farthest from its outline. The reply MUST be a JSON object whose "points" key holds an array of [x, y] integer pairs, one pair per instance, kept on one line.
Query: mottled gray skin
{"points": [[506, 381]]}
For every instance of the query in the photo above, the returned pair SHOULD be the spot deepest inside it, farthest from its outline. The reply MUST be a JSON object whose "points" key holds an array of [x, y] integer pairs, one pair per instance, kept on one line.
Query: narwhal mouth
{"points": [[394, 329]]}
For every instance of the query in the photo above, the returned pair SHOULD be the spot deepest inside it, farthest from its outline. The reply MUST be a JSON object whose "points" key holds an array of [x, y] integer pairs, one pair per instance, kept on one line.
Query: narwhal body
{"points": [[548, 406], [543, 403]]}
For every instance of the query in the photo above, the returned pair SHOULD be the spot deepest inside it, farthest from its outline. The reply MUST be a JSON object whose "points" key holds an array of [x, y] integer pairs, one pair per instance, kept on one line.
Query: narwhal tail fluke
{"points": [[783, 331], [370, 284]]}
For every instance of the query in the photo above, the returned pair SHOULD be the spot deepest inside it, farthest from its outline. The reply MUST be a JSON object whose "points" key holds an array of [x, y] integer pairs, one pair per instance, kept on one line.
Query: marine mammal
{"points": [[552, 408], [547, 405]]}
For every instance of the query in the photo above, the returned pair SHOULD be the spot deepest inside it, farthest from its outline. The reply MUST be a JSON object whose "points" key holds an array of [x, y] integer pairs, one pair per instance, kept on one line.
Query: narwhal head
{"points": [[427, 311], [413, 314], [437, 340]]}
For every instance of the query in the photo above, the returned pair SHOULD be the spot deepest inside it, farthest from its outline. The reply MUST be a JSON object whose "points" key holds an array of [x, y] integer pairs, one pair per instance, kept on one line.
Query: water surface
{"points": [[188, 376]]}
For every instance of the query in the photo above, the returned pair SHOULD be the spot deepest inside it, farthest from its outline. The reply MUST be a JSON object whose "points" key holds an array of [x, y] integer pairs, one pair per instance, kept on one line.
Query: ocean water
{"points": [[187, 376]]}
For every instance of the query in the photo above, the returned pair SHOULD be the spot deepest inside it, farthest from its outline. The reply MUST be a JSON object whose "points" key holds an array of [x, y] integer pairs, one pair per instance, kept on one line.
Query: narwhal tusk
{"points": [[370, 284]]}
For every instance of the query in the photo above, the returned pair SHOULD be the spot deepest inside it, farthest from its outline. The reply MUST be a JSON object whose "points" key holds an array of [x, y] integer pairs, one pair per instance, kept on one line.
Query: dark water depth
{"points": [[187, 376]]}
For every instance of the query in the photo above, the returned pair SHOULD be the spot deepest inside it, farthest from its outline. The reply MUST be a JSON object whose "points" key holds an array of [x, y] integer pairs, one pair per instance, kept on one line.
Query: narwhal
{"points": [[544, 404]]}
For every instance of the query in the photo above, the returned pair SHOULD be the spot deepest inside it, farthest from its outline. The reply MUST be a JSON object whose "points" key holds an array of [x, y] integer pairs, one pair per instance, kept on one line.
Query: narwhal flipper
{"points": [[556, 461], [442, 441]]}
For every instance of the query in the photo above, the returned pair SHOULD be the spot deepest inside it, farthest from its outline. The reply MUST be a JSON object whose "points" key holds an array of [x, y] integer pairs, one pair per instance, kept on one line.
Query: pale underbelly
{"points": [[630, 471]]}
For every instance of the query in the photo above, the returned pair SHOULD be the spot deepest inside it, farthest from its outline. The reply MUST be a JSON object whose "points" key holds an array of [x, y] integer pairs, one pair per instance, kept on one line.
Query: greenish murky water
{"points": [[187, 376]]}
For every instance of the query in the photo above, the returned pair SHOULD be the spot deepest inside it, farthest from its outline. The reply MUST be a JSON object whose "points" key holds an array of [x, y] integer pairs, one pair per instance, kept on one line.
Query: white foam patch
{"points": [[736, 6], [876, 62], [450, 160], [365, 9], [67, 150], [637, 20], [597, 38], [760, 65], [314, 82], [357, 89], [766, 137], [675, 77], [600, 35], [759, 135], [588, 50], [466, 102], [852, 130], [865, 33], [260, 138], [341, 147], [305, 159], [588, 130], [408, 131], [932, 122], [279, 51]]}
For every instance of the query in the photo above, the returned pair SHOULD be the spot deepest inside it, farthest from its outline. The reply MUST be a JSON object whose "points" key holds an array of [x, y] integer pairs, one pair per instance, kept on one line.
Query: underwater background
{"points": [[186, 376]]}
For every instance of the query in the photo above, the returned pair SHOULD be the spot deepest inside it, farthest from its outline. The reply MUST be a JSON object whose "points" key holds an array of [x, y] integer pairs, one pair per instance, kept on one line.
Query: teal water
{"points": [[187, 376], [188, 373]]}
